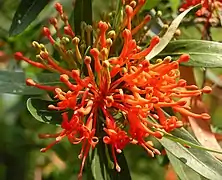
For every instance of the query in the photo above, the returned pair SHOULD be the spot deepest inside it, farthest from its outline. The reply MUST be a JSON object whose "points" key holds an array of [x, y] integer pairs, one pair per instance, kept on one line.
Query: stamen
{"points": [[19, 56], [84, 111], [68, 31], [30, 82], [115, 70], [76, 41], [115, 160], [135, 11], [89, 30], [111, 34], [47, 33], [138, 7], [103, 28], [183, 58], [65, 79], [127, 37], [129, 12], [185, 112], [165, 104], [154, 41], [76, 76], [133, 4], [83, 161], [138, 27], [54, 22], [59, 8], [87, 61], [95, 53], [50, 60]]}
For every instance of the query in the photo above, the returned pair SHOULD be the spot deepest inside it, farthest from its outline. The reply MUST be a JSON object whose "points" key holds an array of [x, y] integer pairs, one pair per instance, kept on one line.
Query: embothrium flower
{"points": [[208, 6], [126, 84]]}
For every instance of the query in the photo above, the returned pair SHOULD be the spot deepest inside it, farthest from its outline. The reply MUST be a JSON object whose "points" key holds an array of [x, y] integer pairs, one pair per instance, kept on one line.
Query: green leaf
{"points": [[118, 16], [174, 5], [184, 172], [14, 82], [197, 159], [202, 53], [82, 13], [169, 34], [95, 169], [150, 4], [190, 144], [39, 110], [101, 166], [27, 11], [199, 75]]}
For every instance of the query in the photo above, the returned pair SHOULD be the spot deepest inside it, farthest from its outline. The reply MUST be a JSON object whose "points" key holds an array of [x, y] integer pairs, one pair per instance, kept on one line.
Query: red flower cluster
{"points": [[208, 6], [127, 83]]}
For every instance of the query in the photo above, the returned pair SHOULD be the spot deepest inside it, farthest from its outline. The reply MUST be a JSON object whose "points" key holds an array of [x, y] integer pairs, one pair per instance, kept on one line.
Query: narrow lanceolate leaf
{"points": [[183, 171], [168, 35], [118, 16], [205, 136], [202, 53], [100, 165], [27, 11], [199, 74], [199, 160], [39, 110], [94, 168], [202, 129], [174, 4], [14, 82], [150, 4], [82, 13]]}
